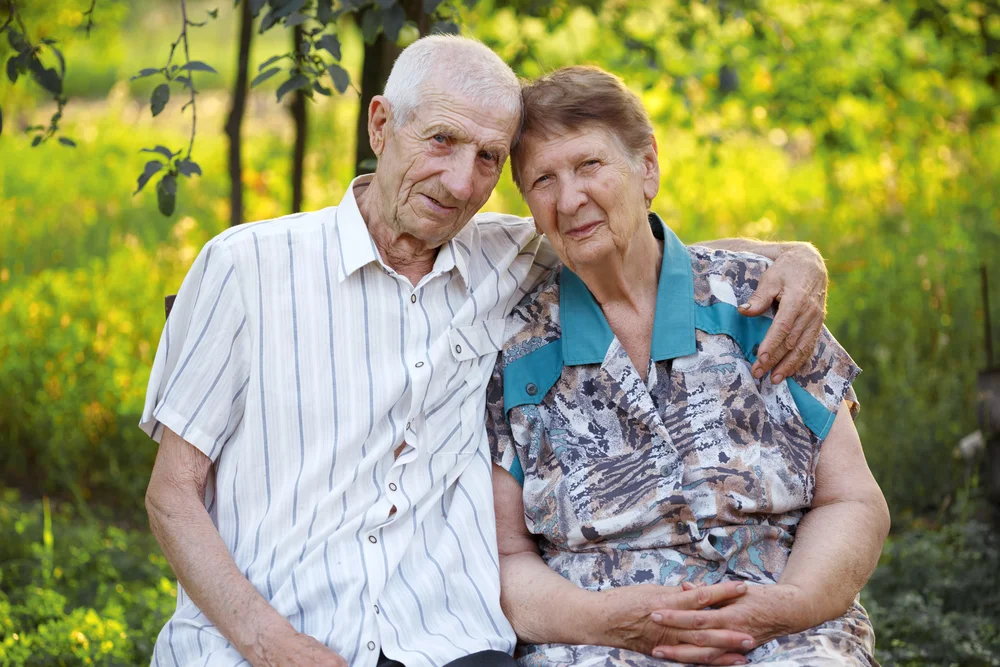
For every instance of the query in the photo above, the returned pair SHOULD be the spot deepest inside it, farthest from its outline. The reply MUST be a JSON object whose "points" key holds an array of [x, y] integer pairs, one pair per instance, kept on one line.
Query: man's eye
{"points": [[440, 138], [590, 163]]}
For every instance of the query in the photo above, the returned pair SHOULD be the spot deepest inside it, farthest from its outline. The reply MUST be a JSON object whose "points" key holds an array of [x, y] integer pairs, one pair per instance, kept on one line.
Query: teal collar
{"points": [[586, 335]]}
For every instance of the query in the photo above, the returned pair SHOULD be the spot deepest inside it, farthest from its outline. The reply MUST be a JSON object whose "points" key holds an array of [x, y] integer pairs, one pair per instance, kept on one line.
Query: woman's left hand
{"points": [[764, 612]]}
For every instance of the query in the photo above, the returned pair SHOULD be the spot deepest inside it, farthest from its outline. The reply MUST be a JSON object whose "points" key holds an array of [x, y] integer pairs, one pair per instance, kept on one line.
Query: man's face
{"points": [[436, 171]]}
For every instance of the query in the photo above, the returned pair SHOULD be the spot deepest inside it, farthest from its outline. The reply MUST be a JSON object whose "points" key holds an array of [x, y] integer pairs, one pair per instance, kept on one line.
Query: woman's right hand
{"points": [[626, 622]]}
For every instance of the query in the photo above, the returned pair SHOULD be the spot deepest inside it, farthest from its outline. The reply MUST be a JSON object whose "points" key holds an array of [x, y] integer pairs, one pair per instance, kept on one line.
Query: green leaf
{"points": [[17, 41], [321, 89], [330, 44], [149, 71], [324, 11], [294, 19], [65, 141], [151, 168], [162, 150], [341, 79], [37, 140], [62, 60], [12, 69], [294, 83], [184, 80], [270, 61], [264, 76], [46, 77], [256, 6], [198, 66], [393, 21], [188, 167], [159, 98], [371, 23], [214, 13], [430, 6], [166, 194], [280, 13]]}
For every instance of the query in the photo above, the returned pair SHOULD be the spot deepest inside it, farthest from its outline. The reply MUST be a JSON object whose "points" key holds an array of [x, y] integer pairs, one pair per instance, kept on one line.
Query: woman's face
{"points": [[585, 194]]}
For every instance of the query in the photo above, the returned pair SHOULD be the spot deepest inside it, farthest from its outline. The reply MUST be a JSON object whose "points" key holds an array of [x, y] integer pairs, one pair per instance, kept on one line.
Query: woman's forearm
{"points": [[542, 606], [837, 547]]}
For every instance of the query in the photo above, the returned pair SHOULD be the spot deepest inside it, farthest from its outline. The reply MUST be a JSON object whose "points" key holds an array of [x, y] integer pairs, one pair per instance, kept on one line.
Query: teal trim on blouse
{"points": [[749, 332], [586, 334]]}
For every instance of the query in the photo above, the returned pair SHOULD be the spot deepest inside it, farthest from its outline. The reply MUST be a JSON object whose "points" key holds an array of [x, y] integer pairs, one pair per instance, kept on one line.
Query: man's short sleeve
{"points": [[501, 438], [200, 375]]}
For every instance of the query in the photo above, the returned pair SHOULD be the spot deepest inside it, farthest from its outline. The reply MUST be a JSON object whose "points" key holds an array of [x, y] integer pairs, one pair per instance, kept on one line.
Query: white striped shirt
{"points": [[299, 362]]}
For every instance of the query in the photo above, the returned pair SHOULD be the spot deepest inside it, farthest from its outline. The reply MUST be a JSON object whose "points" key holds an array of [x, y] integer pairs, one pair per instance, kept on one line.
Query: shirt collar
{"points": [[357, 247], [586, 335]]}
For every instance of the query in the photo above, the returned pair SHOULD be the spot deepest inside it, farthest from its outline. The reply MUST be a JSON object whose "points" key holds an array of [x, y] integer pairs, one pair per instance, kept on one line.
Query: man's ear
{"points": [[379, 123], [651, 170]]}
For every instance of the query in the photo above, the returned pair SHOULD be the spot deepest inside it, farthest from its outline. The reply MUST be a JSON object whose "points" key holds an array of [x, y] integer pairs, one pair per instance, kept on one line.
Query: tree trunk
{"points": [[234, 123], [298, 111], [379, 58]]}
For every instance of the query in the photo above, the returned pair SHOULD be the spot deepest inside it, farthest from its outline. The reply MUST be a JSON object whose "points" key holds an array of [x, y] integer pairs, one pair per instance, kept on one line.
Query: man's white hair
{"points": [[463, 66]]}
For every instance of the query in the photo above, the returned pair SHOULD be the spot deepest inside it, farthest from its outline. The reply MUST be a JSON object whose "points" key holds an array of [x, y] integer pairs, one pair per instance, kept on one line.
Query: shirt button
{"points": [[376, 609], [371, 646], [532, 389], [413, 298], [371, 538], [392, 487], [407, 426], [458, 349], [419, 364]]}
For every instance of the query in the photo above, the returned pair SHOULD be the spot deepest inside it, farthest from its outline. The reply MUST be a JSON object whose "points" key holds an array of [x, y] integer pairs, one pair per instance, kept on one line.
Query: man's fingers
{"points": [[768, 289], [805, 346], [780, 337], [698, 656], [726, 639]]}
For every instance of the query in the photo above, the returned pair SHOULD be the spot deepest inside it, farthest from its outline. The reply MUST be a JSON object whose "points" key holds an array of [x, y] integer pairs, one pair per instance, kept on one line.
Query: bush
{"points": [[77, 590], [933, 598]]}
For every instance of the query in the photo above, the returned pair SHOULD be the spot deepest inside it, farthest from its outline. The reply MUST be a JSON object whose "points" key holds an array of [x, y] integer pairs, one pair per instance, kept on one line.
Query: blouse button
{"points": [[681, 527], [532, 389], [713, 565]]}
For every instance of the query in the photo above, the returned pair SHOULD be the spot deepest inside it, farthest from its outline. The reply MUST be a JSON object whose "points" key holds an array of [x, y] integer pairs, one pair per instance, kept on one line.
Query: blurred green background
{"points": [[869, 128]]}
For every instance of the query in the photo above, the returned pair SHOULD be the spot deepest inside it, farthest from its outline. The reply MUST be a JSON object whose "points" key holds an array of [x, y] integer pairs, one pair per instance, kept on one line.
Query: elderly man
{"points": [[322, 486]]}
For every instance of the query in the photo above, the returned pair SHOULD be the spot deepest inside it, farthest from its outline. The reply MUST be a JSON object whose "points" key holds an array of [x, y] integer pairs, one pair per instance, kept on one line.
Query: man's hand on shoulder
{"points": [[797, 281], [289, 648]]}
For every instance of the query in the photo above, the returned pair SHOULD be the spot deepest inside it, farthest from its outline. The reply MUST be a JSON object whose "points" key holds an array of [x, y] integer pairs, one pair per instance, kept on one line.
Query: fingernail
{"points": [[741, 588], [777, 378], [765, 358], [740, 662], [744, 306], [658, 654], [758, 374], [747, 643], [657, 618]]}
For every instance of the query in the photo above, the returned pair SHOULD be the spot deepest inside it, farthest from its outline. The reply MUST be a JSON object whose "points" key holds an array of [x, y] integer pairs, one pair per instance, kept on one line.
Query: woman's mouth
{"points": [[584, 230]]}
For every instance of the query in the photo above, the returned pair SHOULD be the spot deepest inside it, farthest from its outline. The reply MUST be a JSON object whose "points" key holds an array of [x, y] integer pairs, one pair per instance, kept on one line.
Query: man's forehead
{"points": [[466, 114]]}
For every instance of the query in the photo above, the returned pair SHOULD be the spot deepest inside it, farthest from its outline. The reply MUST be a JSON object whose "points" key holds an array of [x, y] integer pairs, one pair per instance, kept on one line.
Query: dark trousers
{"points": [[481, 659]]}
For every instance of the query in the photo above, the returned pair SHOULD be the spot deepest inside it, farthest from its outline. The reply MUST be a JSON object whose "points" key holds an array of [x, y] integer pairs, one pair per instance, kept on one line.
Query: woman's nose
{"points": [[571, 198]]}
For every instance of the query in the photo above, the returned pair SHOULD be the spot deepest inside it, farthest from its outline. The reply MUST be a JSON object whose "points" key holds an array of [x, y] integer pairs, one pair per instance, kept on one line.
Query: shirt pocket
{"points": [[475, 349]]}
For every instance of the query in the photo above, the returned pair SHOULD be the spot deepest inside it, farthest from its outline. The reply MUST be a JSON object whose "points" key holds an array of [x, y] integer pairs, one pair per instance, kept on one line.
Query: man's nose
{"points": [[571, 197], [458, 179]]}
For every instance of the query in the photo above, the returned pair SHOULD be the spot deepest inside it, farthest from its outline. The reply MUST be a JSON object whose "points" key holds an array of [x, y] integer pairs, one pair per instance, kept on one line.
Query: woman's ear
{"points": [[650, 170], [379, 119]]}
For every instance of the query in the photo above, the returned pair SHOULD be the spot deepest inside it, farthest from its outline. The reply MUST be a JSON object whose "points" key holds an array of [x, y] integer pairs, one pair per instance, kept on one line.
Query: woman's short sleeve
{"points": [[823, 382], [199, 379]]}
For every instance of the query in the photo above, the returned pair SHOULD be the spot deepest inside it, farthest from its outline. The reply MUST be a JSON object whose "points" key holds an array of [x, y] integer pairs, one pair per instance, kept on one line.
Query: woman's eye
{"points": [[541, 180], [488, 156]]}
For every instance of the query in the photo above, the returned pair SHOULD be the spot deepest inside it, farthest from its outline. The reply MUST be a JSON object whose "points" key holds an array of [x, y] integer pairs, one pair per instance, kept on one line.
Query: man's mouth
{"points": [[436, 205]]}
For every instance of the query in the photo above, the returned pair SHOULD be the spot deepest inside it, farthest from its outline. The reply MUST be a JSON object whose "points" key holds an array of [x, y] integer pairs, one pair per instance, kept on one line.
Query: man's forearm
{"points": [[837, 547], [542, 606], [209, 576], [766, 248]]}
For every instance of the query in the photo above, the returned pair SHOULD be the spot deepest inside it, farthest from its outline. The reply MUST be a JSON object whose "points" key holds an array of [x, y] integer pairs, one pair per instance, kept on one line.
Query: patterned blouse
{"points": [[701, 473]]}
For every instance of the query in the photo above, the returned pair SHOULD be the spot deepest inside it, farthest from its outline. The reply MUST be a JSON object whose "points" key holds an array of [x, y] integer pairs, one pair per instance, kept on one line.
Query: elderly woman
{"points": [[653, 498]]}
